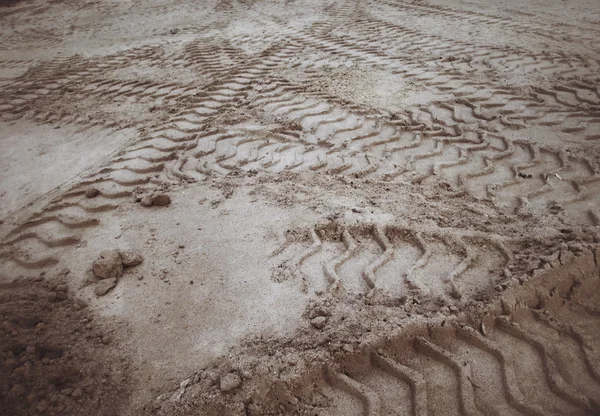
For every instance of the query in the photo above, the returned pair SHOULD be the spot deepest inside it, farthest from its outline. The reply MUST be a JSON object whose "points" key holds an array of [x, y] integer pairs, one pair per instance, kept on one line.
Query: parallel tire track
{"points": [[459, 142]]}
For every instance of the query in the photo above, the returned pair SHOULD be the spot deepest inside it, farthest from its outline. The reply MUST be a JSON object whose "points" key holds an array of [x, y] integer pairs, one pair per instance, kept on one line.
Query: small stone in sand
{"points": [[91, 192]]}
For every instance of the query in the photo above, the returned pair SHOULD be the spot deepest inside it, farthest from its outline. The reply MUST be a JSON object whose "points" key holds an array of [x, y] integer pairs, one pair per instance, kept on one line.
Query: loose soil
{"points": [[268, 207], [55, 359]]}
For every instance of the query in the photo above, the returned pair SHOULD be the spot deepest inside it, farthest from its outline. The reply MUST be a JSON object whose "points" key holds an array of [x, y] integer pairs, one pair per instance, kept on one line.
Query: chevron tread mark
{"points": [[156, 158], [529, 360], [512, 172], [400, 39], [395, 261]]}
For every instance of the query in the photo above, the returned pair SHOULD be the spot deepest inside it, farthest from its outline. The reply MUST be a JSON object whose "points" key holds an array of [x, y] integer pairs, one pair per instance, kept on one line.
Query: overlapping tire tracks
{"points": [[286, 125]]}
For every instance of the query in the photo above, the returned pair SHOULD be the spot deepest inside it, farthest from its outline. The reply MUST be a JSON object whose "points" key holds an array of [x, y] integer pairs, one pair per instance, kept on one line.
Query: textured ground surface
{"points": [[377, 207]]}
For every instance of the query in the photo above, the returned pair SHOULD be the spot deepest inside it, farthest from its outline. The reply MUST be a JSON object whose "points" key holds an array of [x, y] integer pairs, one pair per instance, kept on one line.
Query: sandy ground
{"points": [[300, 207]]}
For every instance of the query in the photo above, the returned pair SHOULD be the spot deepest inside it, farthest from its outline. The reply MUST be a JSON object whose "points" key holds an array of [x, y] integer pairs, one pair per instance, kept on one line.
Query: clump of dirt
{"points": [[148, 199], [54, 359], [109, 267]]}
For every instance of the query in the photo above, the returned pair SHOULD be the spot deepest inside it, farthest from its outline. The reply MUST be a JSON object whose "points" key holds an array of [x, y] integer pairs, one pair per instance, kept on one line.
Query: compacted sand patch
{"points": [[37, 159]]}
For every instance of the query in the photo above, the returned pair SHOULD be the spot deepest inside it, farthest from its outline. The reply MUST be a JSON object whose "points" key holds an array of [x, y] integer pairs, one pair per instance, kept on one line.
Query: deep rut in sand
{"points": [[395, 260]]}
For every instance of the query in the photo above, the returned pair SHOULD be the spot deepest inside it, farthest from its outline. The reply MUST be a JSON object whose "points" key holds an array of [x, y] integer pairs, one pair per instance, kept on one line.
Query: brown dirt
{"points": [[9, 3], [328, 199], [55, 359]]}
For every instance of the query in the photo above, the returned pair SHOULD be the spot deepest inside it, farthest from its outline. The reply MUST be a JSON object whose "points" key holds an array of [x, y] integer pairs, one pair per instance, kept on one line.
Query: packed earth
{"points": [[299, 207]]}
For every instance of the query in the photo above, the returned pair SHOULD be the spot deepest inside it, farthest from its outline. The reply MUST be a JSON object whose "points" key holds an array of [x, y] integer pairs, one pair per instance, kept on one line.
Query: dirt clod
{"points": [[161, 200], [230, 382], [91, 192], [108, 265], [130, 258], [319, 322], [155, 199], [102, 287], [146, 201]]}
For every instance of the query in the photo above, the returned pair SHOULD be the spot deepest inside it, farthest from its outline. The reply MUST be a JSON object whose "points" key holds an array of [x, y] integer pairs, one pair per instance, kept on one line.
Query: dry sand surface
{"points": [[376, 207]]}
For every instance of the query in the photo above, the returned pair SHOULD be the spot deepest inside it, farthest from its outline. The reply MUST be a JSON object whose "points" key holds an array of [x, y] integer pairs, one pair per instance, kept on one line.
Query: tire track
{"points": [[395, 260], [16, 38], [398, 40], [330, 135], [516, 174], [139, 165], [477, 18], [499, 108], [65, 78], [529, 360], [512, 172]]}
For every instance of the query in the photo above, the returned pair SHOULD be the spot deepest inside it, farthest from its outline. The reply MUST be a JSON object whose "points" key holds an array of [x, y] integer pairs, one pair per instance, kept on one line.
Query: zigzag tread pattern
{"points": [[532, 360], [452, 142], [329, 138], [394, 260], [32, 246]]}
